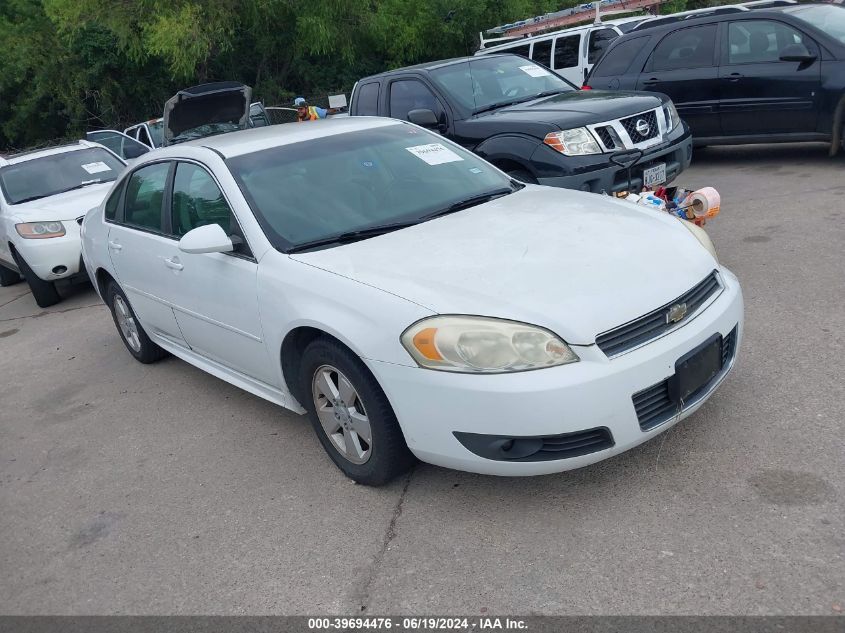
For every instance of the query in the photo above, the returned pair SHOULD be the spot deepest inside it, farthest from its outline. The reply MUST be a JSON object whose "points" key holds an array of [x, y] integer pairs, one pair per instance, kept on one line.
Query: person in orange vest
{"points": [[305, 112]]}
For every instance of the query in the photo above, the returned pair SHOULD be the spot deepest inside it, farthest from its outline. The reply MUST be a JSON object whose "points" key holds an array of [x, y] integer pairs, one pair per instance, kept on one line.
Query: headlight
{"points": [[575, 142], [483, 345], [40, 230], [671, 114], [701, 236]]}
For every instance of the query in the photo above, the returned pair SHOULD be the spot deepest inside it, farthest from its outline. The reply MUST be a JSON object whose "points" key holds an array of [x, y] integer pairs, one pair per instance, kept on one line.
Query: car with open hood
{"points": [[413, 299], [44, 195], [531, 123], [209, 109]]}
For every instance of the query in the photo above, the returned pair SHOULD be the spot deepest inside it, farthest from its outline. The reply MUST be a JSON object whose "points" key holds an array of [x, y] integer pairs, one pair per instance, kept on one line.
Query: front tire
{"points": [[351, 415], [131, 333], [8, 277], [44, 292]]}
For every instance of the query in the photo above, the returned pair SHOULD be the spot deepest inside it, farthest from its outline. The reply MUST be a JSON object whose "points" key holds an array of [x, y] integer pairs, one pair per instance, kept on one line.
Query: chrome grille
{"points": [[657, 322], [605, 137], [634, 126]]}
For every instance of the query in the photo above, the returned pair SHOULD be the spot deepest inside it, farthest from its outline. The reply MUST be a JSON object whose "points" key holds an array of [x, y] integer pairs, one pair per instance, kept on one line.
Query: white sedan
{"points": [[414, 300]]}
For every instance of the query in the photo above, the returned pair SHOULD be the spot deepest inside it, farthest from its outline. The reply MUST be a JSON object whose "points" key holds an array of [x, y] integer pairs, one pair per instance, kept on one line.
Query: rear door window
{"points": [[619, 59], [693, 47], [145, 197], [599, 41], [542, 53], [566, 51], [366, 101]]}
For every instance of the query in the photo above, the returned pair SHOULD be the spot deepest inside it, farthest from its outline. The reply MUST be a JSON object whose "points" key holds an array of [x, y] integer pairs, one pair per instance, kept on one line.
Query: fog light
{"points": [[60, 270]]}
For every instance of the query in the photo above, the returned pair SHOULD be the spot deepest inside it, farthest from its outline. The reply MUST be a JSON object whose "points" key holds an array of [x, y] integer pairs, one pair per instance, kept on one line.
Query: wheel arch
{"points": [[102, 278], [292, 348]]}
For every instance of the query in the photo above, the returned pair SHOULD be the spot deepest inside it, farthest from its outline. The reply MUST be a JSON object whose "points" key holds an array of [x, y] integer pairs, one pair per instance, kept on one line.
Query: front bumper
{"points": [[60, 254], [595, 393], [597, 174]]}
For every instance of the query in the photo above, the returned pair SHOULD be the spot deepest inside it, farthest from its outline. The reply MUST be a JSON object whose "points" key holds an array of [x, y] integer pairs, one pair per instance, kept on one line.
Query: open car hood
{"points": [[205, 110]]}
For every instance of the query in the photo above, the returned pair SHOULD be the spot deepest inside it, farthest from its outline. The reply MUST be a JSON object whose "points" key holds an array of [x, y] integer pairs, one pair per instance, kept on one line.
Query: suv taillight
{"points": [[586, 87]]}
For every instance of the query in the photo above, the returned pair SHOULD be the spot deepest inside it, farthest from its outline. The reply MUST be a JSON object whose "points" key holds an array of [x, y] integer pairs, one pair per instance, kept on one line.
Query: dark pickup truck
{"points": [[533, 124]]}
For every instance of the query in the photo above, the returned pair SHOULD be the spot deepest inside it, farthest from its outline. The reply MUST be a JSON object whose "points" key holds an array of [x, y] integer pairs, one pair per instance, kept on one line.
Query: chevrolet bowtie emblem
{"points": [[676, 313]]}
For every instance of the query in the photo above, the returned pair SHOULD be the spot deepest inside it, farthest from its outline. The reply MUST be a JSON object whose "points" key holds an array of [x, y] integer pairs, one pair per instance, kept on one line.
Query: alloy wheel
{"points": [[126, 323], [342, 414]]}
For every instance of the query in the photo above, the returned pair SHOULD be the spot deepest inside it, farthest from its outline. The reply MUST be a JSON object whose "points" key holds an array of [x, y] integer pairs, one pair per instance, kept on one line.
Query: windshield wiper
{"points": [[353, 236], [472, 201], [505, 104], [82, 185]]}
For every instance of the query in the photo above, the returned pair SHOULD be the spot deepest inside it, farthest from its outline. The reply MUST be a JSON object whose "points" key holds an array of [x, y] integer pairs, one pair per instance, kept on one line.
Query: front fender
{"points": [[509, 148]]}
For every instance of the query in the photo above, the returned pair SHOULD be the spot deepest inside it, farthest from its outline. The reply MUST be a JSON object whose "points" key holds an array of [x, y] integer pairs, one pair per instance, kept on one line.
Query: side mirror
{"points": [[797, 53], [423, 117], [210, 238]]}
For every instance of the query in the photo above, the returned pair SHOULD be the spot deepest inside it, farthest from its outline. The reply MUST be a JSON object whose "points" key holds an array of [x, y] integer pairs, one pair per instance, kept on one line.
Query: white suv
{"points": [[43, 197], [572, 52]]}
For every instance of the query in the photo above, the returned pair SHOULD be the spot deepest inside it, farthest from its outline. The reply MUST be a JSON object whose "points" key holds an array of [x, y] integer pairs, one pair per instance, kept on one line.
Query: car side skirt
{"points": [[247, 383]]}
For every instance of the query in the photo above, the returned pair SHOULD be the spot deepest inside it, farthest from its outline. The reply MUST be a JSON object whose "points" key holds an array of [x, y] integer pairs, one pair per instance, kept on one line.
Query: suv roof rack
{"points": [[719, 10], [689, 15], [560, 19]]}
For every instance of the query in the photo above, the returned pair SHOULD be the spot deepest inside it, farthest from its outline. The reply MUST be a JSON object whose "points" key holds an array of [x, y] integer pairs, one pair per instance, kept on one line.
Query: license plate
{"points": [[655, 175], [696, 369]]}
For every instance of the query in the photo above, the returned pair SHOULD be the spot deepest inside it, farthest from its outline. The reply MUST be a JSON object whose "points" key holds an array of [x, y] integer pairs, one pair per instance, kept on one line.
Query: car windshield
{"points": [[358, 181], [50, 175], [485, 83], [156, 131], [830, 19]]}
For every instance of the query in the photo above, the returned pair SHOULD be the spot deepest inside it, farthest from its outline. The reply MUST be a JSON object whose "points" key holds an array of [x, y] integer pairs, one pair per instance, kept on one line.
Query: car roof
{"points": [[426, 66], [20, 157], [256, 139], [690, 19]]}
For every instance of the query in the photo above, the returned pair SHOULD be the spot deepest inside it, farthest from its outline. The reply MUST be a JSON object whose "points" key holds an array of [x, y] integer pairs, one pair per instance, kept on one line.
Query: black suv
{"points": [[534, 125], [741, 76]]}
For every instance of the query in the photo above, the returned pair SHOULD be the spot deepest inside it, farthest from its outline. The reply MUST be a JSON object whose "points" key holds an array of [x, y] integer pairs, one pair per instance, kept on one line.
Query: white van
{"points": [[571, 53]]}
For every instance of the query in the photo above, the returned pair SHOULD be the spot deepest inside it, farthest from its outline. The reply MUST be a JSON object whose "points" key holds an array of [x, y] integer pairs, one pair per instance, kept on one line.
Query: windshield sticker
{"points": [[96, 168], [434, 154], [535, 71], [475, 170]]}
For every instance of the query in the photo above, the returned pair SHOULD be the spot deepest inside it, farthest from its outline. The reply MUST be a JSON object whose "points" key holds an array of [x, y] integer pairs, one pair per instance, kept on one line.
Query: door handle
{"points": [[173, 263], [651, 82], [734, 77], [115, 245]]}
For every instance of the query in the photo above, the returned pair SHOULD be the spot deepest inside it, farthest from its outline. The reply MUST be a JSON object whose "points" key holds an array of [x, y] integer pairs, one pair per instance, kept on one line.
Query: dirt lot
{"points": [[127, 488]]}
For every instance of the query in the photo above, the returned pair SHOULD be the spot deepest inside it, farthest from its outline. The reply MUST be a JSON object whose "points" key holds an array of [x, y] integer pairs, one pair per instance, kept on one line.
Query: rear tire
{"points": [[8, 277], [523, 176], [131, 333], [45, 292], [356, 424]]}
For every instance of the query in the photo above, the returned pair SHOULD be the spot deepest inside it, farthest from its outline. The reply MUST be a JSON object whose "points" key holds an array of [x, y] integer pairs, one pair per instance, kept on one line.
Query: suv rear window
{"points": [[618, 60]]}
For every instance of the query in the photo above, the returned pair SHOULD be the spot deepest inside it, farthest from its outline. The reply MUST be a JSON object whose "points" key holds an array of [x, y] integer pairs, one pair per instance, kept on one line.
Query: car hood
{"points": [[208, 109], [576, 263], [577, 108], [64, 206]]}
